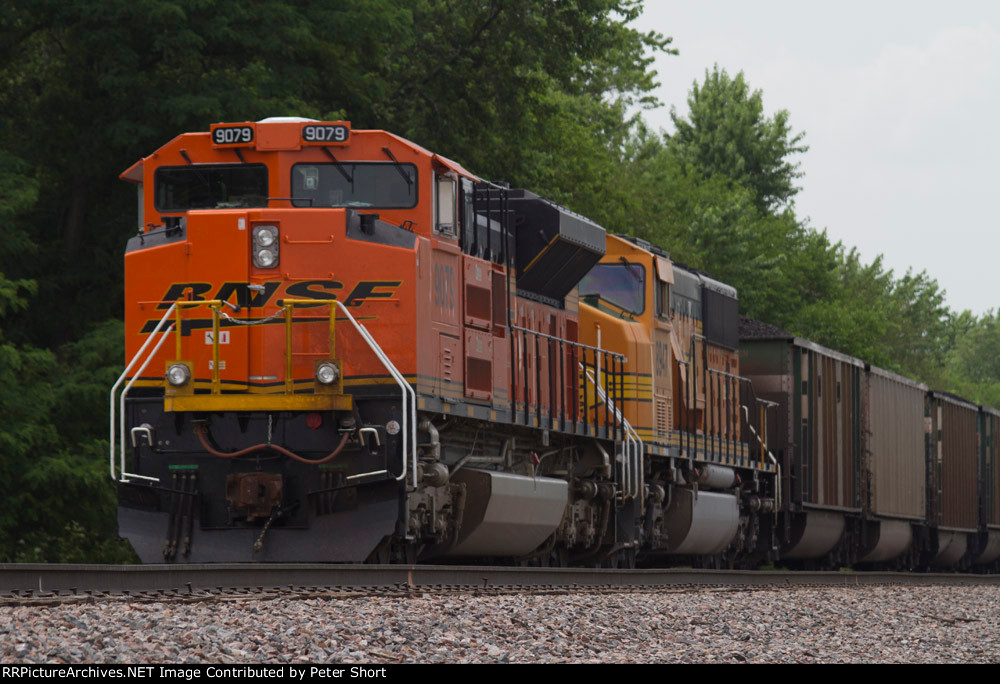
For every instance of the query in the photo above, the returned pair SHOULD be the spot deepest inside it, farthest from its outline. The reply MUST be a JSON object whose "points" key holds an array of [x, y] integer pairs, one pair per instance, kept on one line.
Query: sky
{"points": [[900, 104]]}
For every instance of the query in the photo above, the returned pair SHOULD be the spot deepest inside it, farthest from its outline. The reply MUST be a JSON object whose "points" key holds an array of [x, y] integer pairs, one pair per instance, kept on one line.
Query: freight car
{"points": [[878, 471], [343, 347]]}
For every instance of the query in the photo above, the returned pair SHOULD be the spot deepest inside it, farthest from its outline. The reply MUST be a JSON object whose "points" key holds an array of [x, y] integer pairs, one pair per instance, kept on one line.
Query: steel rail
{"points": [[19, 579]]}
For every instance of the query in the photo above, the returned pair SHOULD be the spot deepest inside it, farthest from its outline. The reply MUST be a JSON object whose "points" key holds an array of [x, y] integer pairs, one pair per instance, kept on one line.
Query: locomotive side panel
{"points": [[438, 310]]}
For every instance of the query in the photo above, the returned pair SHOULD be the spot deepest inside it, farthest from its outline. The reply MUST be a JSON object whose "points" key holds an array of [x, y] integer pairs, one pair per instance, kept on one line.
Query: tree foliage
{"points": [[724, 183], [726, 133], [714, 222], [973, 364], [895, 323]]}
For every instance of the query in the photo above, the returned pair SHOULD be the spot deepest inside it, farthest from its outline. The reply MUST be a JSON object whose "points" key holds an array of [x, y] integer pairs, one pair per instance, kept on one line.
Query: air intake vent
{"points": [[555, 247]]}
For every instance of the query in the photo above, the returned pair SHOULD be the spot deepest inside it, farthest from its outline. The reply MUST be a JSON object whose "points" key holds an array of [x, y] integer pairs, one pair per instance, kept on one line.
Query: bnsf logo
{"points": [[247, 298]]}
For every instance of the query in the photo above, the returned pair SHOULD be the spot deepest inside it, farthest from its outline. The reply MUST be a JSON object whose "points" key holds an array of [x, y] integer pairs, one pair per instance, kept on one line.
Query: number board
{"points": [[338, 133], [231, 136]]}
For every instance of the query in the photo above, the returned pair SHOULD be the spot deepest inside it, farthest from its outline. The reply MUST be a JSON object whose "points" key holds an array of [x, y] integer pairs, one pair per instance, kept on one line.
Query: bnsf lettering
{"points": [[444, 287], [307, 289], [366, 289], [193, 292]]}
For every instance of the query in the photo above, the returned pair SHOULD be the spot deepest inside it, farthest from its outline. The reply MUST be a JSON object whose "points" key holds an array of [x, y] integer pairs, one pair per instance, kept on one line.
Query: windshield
{"points": [[380, 185], [623, 285], [210, 186]]}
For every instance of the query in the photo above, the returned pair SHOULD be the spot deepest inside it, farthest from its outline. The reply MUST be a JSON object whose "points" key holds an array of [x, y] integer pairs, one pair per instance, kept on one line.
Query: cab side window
{"points": [[662, 299], [445, 203]]}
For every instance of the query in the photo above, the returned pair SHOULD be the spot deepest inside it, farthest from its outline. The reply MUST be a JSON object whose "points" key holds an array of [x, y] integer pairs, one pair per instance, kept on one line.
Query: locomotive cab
{"points": [[268, 256]]}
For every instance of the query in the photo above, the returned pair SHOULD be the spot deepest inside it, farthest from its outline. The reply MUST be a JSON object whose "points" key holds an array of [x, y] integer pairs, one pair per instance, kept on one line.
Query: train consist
{"points": [[342, 347]]}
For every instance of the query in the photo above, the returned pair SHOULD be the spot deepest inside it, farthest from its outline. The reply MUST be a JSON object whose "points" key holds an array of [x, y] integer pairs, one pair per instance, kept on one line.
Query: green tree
{"points": [[714, 223], [727, 133], [974, 362], [535, 94], [724, 184], [717, 195]]}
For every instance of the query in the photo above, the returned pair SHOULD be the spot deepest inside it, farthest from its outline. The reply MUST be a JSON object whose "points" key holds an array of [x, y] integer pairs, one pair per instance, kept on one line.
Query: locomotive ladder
{"points": [[407, 408], [633, 448], [112, 434]]}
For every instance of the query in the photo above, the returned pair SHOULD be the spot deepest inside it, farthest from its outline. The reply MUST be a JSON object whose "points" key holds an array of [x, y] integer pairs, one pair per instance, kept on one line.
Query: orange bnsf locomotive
{"points": [[343, 347]]}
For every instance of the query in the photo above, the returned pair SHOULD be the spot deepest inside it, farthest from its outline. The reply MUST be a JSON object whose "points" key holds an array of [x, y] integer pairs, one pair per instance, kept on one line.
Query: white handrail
{"points": [[409, 416], [760, 438], [121, 469], [112, 437], [770, 456], [626, 463], [633, 447]]}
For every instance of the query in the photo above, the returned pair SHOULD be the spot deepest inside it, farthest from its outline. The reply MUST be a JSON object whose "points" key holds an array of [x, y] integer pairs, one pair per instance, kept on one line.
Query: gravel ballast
{"points": [[930, 624]]}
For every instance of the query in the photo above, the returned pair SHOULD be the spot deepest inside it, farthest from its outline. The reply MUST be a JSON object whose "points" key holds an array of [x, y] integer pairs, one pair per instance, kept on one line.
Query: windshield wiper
{"points": [[409, 181], [632, 269], [339, 166]]}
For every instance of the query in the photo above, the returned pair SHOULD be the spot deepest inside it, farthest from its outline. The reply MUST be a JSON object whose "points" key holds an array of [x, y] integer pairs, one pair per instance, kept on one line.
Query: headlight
{"points": [[178, 374], [265, 246], [265, 258], [265, 236], [327, 373]]}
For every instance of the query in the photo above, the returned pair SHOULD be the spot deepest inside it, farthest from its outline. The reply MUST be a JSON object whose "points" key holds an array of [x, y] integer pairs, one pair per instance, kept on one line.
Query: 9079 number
{"points": [[232, 135], [325, 133]]}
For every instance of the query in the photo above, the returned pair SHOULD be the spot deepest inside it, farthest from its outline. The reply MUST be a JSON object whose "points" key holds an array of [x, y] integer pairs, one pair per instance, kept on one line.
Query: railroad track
{"points": [[51, 584]]}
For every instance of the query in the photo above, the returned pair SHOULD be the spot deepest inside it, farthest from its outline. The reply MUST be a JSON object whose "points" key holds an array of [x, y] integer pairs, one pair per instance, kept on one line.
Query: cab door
{"points": [[663, 361], [217, 245]]}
